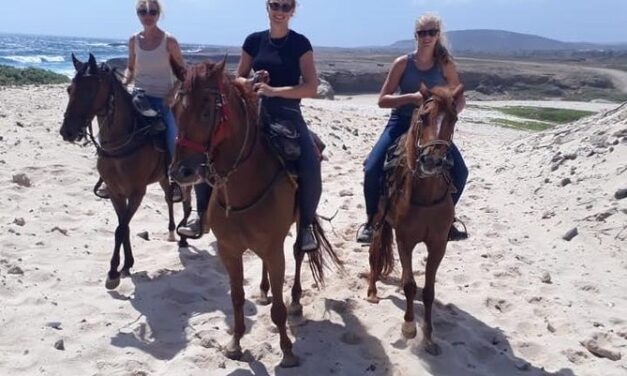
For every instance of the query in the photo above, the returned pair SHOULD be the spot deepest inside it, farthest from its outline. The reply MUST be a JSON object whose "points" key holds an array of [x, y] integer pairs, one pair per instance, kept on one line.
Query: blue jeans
{"points": [[308, 165], [373, 167], [168, 118]]}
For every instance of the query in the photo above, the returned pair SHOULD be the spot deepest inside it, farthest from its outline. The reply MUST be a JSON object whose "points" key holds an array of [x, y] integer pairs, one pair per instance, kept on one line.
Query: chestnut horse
{"points": [[127, 158], [418, 205], [253, 204]]}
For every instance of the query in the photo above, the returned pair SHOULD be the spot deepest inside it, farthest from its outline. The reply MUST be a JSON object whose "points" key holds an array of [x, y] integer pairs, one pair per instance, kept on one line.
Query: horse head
{"points": [[202, 116], [432, 130], [88, 95]]}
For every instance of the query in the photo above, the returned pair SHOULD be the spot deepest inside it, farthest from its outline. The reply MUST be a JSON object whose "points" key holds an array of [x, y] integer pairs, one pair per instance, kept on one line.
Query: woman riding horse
{"points": [[432, 65]]}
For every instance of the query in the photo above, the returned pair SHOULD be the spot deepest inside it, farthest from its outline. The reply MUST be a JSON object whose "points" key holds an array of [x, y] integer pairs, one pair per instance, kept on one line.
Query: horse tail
{"points": [[381, 255], [320, 259]]}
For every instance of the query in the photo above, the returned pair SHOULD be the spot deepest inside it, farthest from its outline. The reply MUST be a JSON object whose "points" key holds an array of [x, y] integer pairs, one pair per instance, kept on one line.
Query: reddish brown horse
{"points": [[127, 158], [418, 206], [253, 204]]}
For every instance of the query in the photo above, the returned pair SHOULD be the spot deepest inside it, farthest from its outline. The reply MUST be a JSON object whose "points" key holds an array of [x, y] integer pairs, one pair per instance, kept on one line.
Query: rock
{"points": [[19, 221], [325, 90], [546, 278], [602, 350], [54, 325], [21, 180], [346, 193], [59, 345], [144, 235], [59, 229], [620, 194], [565, 182], [570, 234], [15, 270]]}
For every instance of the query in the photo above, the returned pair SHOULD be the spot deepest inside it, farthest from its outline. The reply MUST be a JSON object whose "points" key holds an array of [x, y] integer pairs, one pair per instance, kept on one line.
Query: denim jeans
{"points": [[308, 165], [373, 167], [168, 118]]}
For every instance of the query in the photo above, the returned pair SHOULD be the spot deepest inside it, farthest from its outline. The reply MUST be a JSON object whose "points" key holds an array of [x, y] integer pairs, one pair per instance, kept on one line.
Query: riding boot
{"points": [[193, 229], [365, 232], [307, 239]]}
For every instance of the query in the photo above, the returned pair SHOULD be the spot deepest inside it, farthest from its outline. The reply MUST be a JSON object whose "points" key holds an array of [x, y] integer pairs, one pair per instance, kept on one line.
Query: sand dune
{"points": [[513, 299]]}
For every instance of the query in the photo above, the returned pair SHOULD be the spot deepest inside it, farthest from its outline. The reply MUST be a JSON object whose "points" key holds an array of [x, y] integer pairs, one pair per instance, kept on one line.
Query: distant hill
{"points": [[500, 42]]}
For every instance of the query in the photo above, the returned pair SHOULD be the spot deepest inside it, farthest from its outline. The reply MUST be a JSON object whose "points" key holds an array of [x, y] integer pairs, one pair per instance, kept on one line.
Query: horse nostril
{"points": [[186, 172]]}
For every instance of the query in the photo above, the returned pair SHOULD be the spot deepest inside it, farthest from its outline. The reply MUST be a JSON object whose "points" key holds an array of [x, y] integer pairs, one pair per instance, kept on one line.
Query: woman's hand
{"points": [[261, 88], [417, 98]]}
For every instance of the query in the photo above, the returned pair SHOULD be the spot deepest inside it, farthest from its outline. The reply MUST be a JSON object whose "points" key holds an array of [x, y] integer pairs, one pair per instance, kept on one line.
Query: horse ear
{"points": [[93, 67], [220, 66], [77, 64], [178, 70], [424, 90]]}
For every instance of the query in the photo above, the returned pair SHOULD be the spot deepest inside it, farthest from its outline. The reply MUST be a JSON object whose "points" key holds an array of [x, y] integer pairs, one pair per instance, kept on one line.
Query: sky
{"points": [[337, 23]]}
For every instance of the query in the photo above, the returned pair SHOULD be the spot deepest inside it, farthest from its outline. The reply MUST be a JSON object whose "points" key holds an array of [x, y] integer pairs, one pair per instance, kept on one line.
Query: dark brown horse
{"points": [[127, 158], [253, 203], [418, 206]]}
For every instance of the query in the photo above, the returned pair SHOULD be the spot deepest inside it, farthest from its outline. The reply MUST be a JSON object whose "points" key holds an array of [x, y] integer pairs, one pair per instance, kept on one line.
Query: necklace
{"points": [[282, 40]]}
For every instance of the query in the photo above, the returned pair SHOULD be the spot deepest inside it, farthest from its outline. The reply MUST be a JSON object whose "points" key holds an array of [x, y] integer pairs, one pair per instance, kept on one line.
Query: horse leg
{"points": [[187, 210], [113, 276], [133, 204], [295, 309], [276, 268], [165, 186], [232, 260], [264, 286], [374, 275], [409, 287], [435, 255]]}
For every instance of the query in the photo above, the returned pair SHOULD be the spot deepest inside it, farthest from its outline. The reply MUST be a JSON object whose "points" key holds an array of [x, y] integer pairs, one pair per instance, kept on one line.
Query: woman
{"points": [[149, 54], [287, 57], [432, 64]]}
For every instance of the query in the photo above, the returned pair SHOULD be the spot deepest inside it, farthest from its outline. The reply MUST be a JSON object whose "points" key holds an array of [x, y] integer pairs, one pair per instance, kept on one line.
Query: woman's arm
{"points": [[243, 70], [129, 73], [387, 98], [452, 79], [307, 89]]}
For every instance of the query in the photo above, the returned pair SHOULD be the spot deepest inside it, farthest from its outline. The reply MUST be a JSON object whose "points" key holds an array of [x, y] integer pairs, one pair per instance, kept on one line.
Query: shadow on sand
{"points": [[469, 346], [167, 301]]}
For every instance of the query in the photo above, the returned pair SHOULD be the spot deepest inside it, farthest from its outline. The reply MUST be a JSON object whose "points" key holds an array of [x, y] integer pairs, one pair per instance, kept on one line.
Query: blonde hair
{"points": [[150, 3], [441, 54]]}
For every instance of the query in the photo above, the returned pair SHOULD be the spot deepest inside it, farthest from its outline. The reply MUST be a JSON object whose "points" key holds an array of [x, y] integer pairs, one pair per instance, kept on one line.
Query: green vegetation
{"points": [[523, 124], [546, 114], [29, 76]]}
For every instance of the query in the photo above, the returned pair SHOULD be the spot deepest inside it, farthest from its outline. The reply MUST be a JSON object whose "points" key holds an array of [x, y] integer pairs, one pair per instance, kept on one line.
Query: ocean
{"points": [[54, 53]]}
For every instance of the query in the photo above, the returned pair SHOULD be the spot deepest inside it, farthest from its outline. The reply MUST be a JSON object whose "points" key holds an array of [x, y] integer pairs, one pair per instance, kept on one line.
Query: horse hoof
{"points": [[373, 299], [409, 329], [233, 351], [183, 243], [289, 360], [125, 273], [171, 236], [432, 348], [263, 300], [112, 284], [295, 310]]}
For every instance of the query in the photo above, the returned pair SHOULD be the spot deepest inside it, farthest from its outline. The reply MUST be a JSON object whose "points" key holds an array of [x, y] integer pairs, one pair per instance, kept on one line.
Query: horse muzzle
{"points": [[186, 175]]}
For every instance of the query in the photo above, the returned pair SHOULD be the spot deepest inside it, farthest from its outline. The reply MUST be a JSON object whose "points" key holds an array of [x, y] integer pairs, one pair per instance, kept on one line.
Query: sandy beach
{"points": [[513, 299]]}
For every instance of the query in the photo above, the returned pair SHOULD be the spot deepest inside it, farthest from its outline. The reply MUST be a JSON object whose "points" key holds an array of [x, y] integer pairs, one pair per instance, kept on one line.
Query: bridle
{"points": [[422, 150]]}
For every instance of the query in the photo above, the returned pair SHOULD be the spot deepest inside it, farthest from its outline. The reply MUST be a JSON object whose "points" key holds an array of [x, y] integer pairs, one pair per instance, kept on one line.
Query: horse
{"points": [[418, 206], [128, 160], [253, 204]]}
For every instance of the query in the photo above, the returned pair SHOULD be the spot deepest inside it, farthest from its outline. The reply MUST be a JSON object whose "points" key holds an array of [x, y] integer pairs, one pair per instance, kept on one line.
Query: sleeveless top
{"points": [[411, 79], [152, 69]]}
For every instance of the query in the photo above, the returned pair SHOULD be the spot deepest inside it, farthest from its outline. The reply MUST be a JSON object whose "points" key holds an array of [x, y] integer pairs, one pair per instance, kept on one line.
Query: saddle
{"points": [[282, 136], [150, 119]]}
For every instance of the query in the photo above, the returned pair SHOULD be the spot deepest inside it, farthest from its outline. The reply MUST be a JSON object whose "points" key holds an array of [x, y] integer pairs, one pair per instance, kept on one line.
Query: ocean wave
{"points": [[35, 59]]}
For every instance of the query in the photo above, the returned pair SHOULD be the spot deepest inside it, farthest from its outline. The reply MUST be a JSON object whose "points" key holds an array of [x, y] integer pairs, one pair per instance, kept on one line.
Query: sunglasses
{"points": [[424, 33], [276, 6], [143, 12]]}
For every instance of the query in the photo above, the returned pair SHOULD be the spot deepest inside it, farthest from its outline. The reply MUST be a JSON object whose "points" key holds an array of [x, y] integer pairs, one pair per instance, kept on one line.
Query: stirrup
{"points": [[364, 234], [101, 192], [195, 227], [454, 234]]}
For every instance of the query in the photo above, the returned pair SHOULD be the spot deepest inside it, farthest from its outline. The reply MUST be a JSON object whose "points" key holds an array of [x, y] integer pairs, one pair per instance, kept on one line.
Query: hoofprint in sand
{"points": [[515, 298]]}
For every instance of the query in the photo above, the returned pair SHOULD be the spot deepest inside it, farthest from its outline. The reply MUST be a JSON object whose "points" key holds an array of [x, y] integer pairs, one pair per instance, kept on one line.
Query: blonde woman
{"points": [[149, 54], [432, 64]]}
